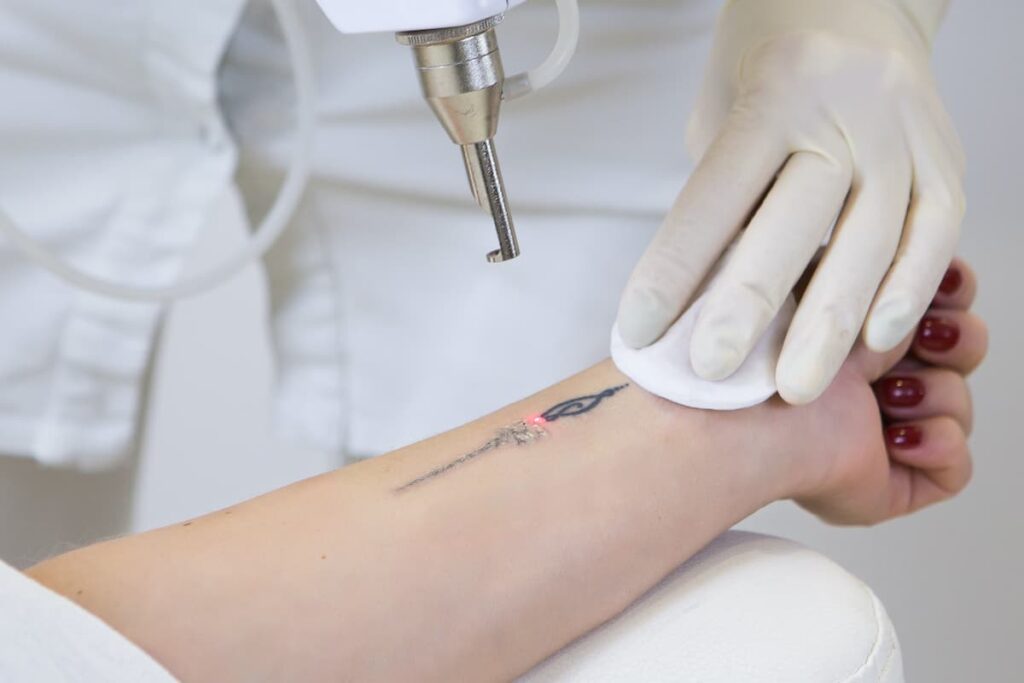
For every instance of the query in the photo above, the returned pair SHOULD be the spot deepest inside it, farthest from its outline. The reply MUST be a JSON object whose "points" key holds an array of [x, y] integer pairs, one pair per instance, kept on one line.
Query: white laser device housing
{"points": [[369, 16]]}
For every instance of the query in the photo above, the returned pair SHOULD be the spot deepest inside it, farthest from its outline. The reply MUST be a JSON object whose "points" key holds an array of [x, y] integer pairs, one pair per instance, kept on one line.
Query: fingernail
{"points": [[904, 436], [951, 281], [901, 392], [938, 334]]}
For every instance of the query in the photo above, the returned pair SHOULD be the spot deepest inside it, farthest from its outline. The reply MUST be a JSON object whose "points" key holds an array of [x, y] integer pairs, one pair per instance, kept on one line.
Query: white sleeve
{"points": [[45, 637]]}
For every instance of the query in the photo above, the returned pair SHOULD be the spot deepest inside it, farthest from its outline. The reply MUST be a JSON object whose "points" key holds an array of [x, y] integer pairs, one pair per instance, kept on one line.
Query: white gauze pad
{"points": [[664, 369]]}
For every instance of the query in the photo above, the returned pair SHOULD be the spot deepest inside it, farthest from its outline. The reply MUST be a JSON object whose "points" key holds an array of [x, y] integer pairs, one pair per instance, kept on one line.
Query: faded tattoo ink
{"points": [[521, 433], [518, 434]]}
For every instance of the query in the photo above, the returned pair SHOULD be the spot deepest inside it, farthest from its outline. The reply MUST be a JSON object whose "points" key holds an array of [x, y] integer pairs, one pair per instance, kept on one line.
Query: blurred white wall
{"points": [[950, 576]]}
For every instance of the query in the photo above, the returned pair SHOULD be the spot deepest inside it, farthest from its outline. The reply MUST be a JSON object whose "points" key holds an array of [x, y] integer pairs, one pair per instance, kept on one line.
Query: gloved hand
{"points": [[823, 109]]}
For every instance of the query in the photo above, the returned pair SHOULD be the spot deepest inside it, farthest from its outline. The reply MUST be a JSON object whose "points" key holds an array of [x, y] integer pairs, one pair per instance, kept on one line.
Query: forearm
{"points": [[445, 560]]}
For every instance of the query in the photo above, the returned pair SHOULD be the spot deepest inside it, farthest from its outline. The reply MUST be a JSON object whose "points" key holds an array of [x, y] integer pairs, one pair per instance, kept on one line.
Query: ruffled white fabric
{"points": [[114, 149]]}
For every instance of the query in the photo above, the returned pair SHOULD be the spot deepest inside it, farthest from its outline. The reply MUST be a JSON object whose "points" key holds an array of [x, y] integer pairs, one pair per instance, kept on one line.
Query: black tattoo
{"points": [[521, 433], [578, 406]]}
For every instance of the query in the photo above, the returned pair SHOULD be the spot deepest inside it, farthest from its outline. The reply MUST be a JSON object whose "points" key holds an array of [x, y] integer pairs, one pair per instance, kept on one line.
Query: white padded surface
{"points": [[46, 638], [747, 608]]}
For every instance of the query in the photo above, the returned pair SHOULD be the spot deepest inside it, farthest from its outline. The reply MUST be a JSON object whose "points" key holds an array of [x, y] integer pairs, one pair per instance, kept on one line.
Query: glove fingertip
{"points": [[890, 323], [714, 357], [796, 385], [642, 319], [797, 394], [805, 370]]}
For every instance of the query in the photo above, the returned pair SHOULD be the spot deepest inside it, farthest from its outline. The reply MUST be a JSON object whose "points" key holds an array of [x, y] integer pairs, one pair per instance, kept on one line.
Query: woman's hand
{"points": [[889, 437], [812, 109]]}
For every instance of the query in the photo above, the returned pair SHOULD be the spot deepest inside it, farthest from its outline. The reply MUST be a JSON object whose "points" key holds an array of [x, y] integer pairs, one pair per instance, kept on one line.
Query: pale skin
{"points": [[479, 570]]}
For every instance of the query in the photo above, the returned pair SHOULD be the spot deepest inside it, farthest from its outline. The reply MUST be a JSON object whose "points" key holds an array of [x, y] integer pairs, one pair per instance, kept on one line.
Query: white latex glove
{"points": [[829, 107]]}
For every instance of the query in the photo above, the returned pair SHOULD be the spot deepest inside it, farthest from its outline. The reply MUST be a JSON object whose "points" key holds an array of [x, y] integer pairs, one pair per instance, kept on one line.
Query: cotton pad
{"points": [[664, 369]]}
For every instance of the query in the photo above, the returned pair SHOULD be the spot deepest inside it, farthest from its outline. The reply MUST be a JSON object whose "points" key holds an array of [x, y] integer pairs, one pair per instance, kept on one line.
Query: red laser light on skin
{"points": [[536, 420]]}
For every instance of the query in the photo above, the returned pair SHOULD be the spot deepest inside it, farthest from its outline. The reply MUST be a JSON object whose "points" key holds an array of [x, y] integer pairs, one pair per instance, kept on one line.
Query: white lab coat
{"points": [[388, 325], [112, 147]]}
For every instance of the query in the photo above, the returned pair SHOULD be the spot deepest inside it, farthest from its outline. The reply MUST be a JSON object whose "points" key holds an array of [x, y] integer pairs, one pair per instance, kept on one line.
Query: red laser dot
{"points": [[536, 420]]}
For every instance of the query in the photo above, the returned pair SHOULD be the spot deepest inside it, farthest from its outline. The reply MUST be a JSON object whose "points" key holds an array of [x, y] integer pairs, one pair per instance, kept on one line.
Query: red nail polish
{"points": [[901, 392], [938, 334], [904, 436], [951, 281]]}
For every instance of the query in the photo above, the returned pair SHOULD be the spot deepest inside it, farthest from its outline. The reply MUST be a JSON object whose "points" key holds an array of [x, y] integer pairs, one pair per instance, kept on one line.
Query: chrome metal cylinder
{"points": [[462, 76], [489, 188], [462, 82]]}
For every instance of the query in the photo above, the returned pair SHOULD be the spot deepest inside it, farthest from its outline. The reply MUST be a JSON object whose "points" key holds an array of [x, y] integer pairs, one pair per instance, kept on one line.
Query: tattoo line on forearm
{"points": [[521, 433]]}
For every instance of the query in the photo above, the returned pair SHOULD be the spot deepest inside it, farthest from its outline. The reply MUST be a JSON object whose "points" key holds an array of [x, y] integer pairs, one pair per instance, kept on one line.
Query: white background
{"points": [[950, 577]]}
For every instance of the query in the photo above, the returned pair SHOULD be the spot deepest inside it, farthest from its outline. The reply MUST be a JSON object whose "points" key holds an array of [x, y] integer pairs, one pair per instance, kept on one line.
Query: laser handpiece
{"points": [[462, 77], [455, 49]]}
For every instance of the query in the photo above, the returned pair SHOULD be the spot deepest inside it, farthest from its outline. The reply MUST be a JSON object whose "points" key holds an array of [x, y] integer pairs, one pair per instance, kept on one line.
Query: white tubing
{"points": [[552, 67], [275, 222]]}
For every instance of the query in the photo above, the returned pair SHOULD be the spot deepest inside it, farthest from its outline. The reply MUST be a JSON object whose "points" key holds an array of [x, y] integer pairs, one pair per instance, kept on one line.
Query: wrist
{"points": [[741, 460], [753, 452]]}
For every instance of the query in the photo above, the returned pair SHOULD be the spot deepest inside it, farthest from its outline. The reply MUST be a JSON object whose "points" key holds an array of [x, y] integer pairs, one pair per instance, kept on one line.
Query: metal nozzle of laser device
{"points": [[462, 77]]}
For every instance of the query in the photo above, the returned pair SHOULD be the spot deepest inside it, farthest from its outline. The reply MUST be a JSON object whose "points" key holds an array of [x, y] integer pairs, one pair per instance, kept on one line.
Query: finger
{"points": [[773, 252], [833, 309], [929, 241], [908, 396], [714, 204], [931, 463], [957, 340], [959, 287]]}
